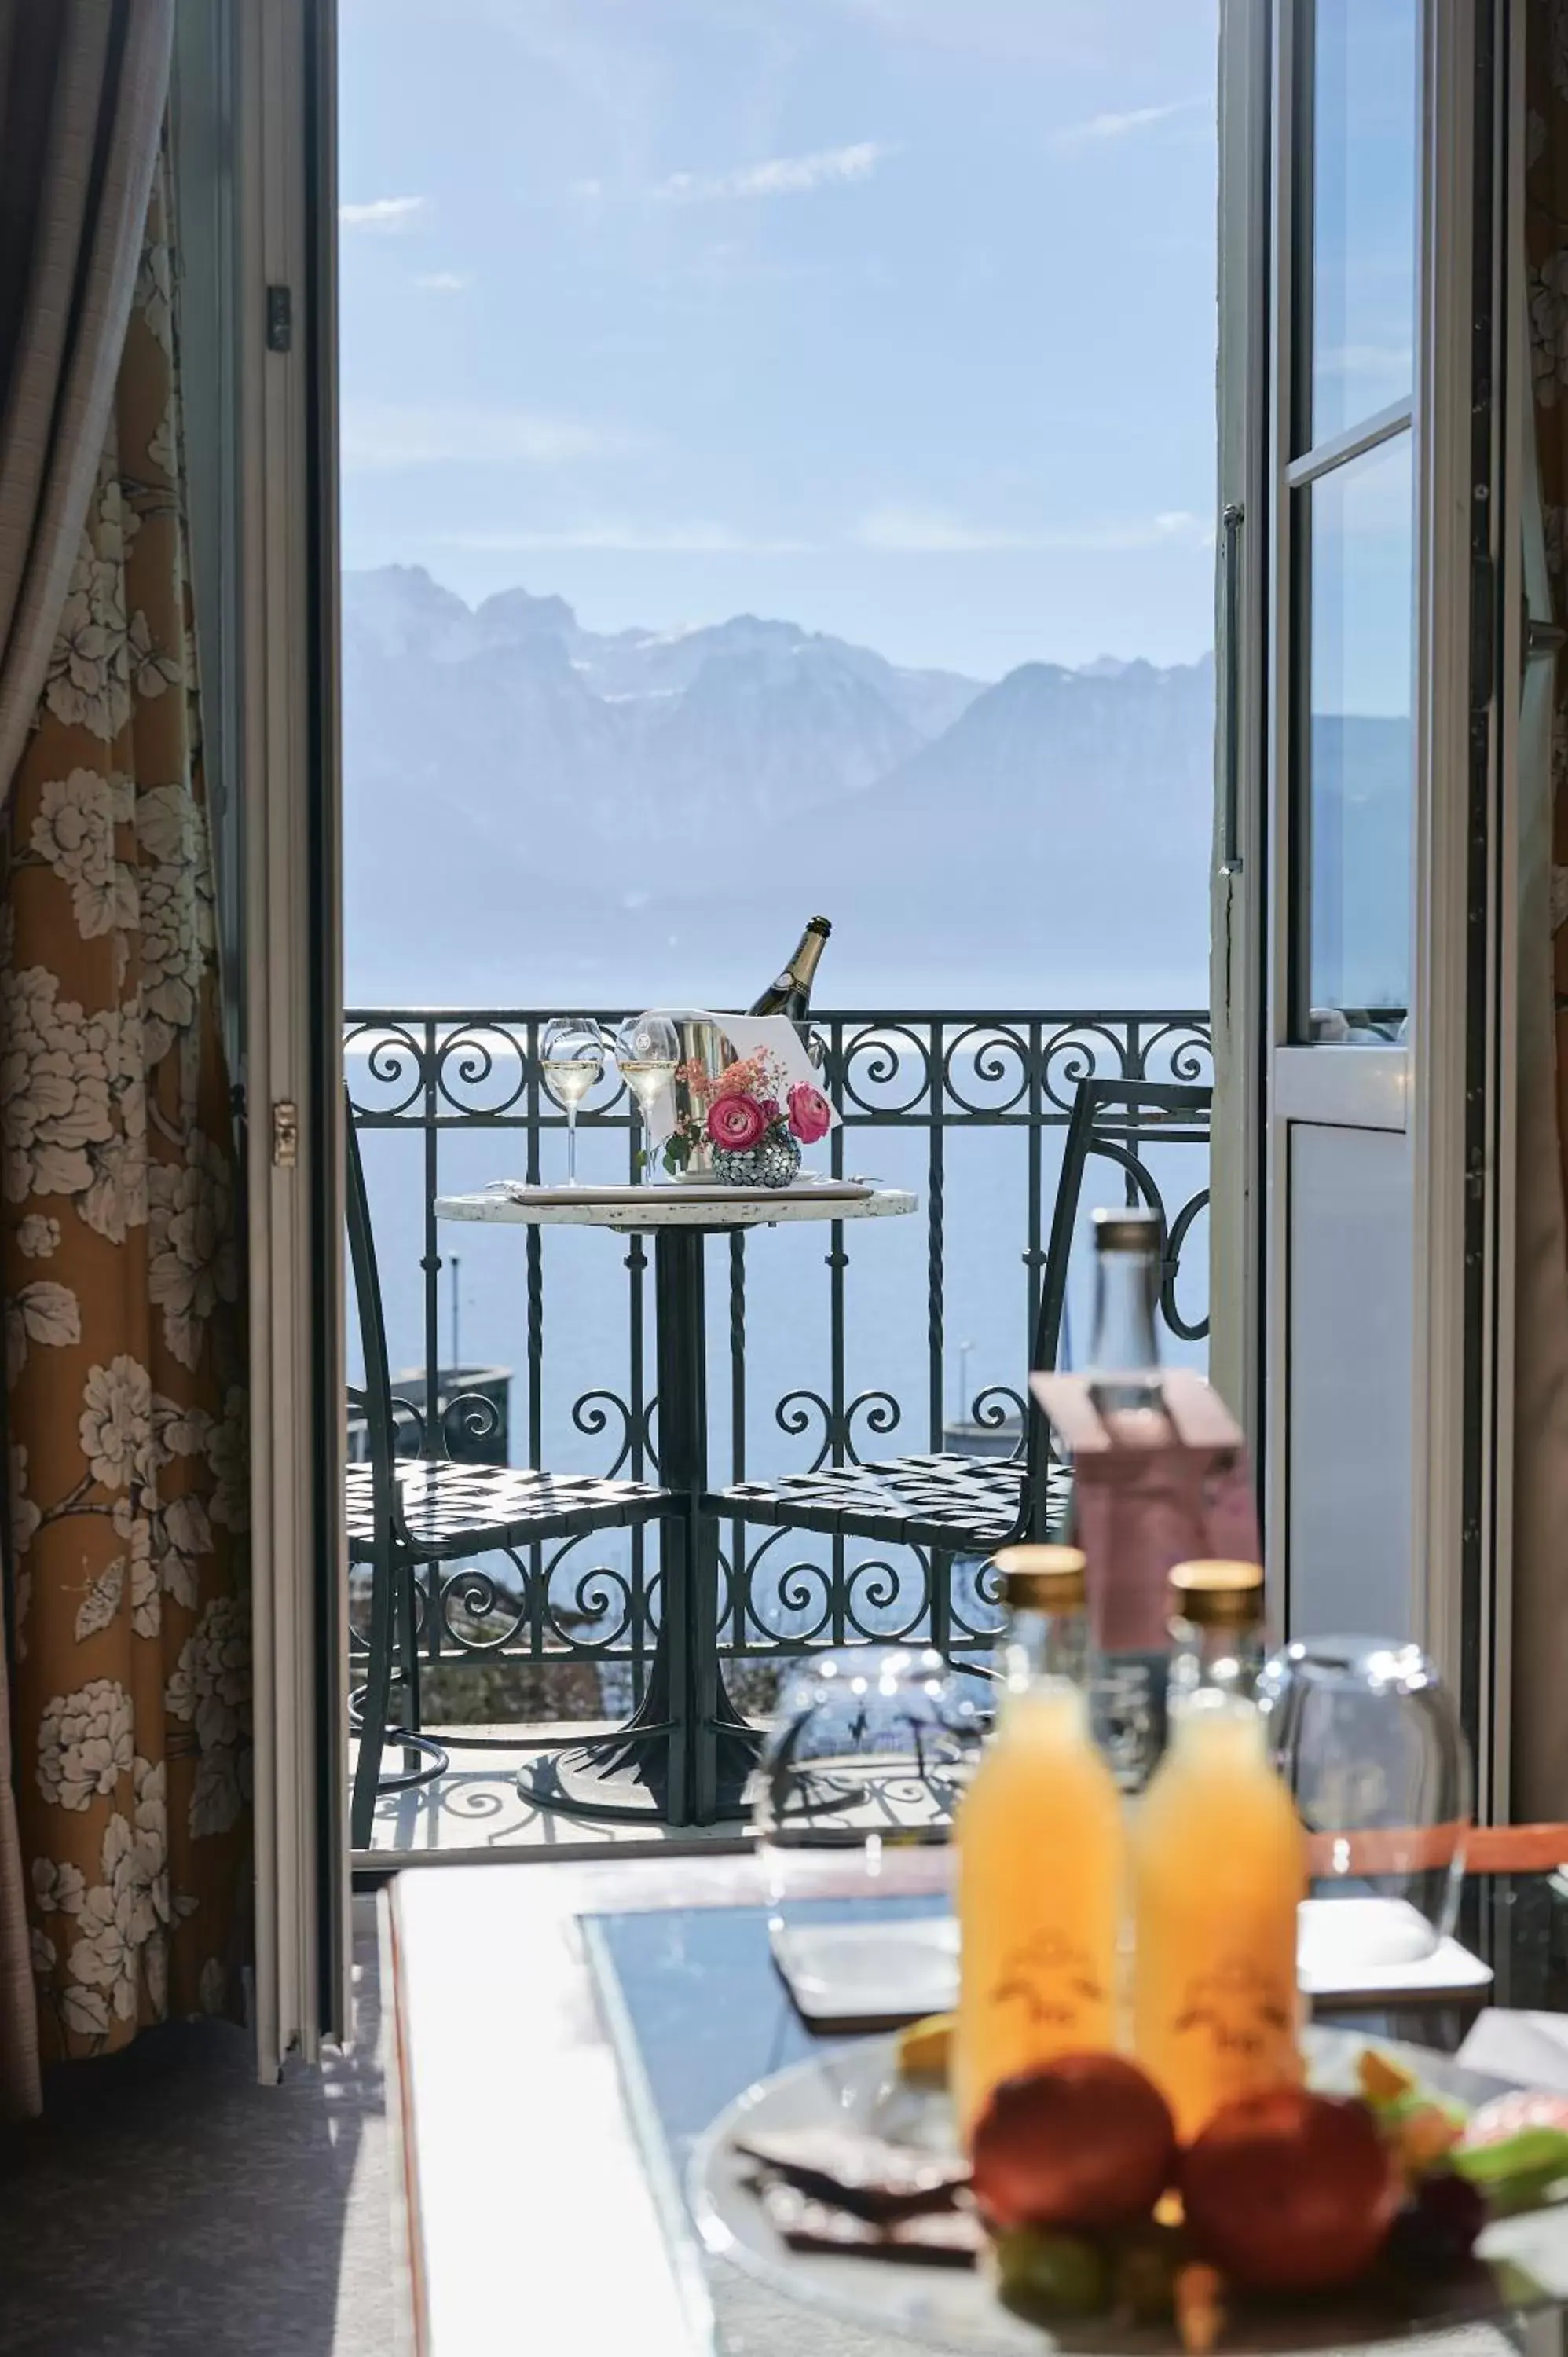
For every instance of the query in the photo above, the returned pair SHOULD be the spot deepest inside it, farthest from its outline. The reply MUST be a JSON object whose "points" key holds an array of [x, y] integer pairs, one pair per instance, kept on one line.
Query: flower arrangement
{"points": [[754, 1122]]}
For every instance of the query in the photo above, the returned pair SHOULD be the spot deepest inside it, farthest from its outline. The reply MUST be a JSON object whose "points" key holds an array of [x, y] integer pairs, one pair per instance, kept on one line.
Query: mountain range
{"points": [[536, 813]]}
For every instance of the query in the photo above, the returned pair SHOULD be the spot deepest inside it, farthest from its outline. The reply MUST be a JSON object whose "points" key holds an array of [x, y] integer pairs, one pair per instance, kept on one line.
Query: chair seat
{"points": [[455, 1509], [961, 1505]]}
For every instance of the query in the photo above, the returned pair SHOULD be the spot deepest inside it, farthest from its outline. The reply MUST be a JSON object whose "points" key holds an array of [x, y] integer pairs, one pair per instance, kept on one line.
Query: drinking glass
{"points": [[647, 1048], [572, 1053], [870, 1750], [1368, 1739]]}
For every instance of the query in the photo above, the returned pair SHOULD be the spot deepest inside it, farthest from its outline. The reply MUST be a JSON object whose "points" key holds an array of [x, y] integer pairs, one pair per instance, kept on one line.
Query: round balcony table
{"points": [[684, 1755]]}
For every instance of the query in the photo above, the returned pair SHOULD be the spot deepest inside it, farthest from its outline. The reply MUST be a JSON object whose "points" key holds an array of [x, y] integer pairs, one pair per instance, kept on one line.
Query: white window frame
{"points": [[286, 599]]}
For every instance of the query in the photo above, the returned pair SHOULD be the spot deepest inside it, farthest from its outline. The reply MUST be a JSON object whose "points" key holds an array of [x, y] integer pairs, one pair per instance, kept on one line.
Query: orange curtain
{"points": [[131, 1732]]}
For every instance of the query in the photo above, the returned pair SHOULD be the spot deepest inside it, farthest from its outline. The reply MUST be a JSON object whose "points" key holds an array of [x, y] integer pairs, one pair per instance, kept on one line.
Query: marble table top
{"points": [[673, 1207]]}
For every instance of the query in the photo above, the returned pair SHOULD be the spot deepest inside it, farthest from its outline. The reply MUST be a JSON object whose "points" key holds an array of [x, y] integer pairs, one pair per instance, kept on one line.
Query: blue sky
{"points": [[894, 317]]}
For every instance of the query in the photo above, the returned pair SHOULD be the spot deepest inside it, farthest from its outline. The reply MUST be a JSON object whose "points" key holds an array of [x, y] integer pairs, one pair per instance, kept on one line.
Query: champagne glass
{"points": [[572, 1053], [648, 1048]]}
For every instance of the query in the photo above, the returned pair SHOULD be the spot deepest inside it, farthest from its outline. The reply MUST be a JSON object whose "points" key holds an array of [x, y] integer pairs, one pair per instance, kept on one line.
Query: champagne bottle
{"points": [[792, 994]]}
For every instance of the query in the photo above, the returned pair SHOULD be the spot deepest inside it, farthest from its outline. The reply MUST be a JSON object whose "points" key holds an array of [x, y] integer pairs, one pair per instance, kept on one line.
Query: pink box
{"points": [[1152, 1487]]}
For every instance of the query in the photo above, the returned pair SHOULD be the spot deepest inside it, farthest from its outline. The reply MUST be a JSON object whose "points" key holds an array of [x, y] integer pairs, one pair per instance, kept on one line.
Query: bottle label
{"points": [[1049, 1982], [1235, 2025]]}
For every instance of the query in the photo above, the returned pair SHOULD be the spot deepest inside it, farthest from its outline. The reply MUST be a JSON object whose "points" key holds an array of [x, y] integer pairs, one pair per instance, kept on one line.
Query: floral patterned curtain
{"points": [[121, 1275]]}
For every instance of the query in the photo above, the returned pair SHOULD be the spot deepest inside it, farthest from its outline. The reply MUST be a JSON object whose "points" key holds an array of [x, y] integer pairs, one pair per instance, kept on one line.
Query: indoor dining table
{"points": [[684, 1755], [653, 2001]]}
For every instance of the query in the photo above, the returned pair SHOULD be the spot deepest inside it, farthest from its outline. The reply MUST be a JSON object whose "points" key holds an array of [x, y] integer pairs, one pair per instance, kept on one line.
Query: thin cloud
{"points": [[444, 282], [689, 539], [782, 176], [1102, 127], [390, 436], [919, 532], [381, 213]]}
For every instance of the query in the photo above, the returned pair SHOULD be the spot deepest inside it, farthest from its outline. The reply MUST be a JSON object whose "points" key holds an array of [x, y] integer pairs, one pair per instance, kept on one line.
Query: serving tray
{"points": [[1521, 2264]]}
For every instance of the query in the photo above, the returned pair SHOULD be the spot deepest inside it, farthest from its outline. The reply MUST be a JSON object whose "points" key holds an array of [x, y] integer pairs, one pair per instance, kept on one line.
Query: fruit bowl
{"points": [[1520, 2263]]}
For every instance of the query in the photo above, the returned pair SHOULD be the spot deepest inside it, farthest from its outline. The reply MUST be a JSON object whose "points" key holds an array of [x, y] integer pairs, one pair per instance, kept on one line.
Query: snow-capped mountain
{"points": [[535, 811]]}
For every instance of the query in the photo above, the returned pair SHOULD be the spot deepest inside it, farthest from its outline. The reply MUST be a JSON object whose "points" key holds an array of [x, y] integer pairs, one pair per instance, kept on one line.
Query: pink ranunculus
{"points": [[771, 1111], [736, 1122], [811, 1116]]}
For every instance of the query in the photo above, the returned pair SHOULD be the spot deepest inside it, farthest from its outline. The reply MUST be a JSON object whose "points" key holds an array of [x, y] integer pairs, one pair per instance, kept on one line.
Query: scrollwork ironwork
{"points": [[388, 1052], [926, 1076], [465, 1058], [996, 1045]]}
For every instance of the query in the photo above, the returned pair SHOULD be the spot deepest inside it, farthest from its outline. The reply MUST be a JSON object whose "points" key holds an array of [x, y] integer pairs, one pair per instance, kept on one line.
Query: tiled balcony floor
{"points": [[475, 1811]]}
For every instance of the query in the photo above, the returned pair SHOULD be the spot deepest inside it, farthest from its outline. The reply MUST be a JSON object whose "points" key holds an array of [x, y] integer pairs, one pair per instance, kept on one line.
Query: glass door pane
{"points": [[1359, 278], [1353, 768]]}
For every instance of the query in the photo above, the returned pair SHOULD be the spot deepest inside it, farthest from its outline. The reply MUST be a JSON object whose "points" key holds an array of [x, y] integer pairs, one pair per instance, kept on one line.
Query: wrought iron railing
{"points": [[839, 1343]]}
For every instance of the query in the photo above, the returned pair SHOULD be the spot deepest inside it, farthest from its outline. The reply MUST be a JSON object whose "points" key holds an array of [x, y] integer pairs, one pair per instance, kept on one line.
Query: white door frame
{"points": [[1443, 1091], [1237, 905], [287, 216], [1451, 1167]]}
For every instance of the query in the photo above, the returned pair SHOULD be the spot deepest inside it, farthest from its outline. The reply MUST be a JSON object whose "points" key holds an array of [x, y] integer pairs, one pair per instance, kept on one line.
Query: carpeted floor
{"points": [[166, 2203]]}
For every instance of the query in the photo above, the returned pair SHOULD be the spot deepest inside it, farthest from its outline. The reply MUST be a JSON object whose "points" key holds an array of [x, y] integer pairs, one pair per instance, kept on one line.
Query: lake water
{"points": [[984, 1292]]}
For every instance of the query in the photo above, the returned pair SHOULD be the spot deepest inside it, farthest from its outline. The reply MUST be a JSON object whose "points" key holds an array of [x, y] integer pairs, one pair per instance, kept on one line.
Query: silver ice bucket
{"points": [[708, 1049]]}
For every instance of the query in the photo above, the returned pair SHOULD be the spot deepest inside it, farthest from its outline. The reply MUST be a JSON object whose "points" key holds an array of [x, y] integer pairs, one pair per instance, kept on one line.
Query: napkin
{"points": [[1531, 2047], [749, 1033]]}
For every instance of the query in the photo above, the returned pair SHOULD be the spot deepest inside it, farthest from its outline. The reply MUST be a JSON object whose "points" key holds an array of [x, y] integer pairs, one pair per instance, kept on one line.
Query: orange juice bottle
{"points": [[1039, 1850], [1218, 1867]]}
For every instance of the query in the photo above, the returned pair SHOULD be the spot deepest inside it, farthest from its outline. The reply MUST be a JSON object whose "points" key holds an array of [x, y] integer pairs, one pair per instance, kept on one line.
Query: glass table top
{"points": [[698, 2013]]}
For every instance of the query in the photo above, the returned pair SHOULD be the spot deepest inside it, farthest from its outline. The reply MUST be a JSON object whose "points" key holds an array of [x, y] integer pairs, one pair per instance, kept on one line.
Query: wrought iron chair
{"points": [[404, 1511], [955, 1505]]}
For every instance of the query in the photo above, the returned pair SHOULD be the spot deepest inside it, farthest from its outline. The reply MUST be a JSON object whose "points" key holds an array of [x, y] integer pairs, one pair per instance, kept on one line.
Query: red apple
{"points": [[1291, 2191], [1084, 2141]]}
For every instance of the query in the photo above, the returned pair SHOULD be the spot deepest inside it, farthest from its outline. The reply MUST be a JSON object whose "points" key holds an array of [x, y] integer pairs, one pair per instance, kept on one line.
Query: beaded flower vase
{"points": [[746, 1122], [773, 1161]]}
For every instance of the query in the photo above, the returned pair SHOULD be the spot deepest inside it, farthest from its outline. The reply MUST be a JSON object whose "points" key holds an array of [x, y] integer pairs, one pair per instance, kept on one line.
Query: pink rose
{"points": [[736, 1122], [811, 1116]]}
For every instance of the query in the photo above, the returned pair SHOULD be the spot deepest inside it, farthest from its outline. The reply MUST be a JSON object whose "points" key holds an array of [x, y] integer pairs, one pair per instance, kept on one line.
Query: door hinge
{"points": [[285, 1134], [280, 319]]}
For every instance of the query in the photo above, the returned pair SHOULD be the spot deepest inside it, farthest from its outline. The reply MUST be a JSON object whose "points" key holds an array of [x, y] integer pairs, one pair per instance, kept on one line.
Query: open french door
{"points": [[1359, 888], [254, 145]]}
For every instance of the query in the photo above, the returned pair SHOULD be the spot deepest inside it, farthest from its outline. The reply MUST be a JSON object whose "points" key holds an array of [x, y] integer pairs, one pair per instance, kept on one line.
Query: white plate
{"points": [[956, 2309], [871, 1976]]}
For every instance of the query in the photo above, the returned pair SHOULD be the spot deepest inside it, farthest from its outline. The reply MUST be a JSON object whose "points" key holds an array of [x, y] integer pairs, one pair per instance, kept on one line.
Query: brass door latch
{"points": [[285, 1134]]}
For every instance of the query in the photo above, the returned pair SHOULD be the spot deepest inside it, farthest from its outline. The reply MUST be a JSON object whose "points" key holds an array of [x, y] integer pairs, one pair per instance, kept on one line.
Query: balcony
{"points": [[827, 1345]]}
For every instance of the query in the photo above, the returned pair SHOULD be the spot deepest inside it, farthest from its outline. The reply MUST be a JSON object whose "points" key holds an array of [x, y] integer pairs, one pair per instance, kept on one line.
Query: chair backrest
{"points": [[1114, 1119], [374, 1400]]}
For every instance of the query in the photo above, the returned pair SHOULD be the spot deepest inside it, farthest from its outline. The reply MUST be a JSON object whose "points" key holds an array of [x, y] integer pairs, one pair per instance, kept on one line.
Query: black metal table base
{"points": [[623, 1778], [685, 1756]]}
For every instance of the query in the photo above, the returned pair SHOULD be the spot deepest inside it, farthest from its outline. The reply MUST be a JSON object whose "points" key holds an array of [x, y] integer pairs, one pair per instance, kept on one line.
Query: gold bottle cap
{"points": [[1041, 1578], [1218, 1595]]}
